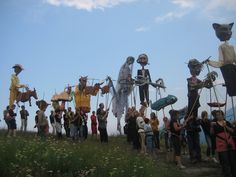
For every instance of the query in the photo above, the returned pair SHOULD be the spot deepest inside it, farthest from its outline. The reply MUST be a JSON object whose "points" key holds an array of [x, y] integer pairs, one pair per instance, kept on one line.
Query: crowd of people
{"points": [[74, 123], [220, 136], [142, 132]]}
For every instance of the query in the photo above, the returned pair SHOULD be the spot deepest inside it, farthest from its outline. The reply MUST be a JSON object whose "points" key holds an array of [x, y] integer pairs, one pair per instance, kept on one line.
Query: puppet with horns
{"points": [[123, 89], [82, 100]]}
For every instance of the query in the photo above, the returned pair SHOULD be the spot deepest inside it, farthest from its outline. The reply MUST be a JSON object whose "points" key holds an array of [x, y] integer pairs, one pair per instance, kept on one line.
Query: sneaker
{"points": [[214, 160]]}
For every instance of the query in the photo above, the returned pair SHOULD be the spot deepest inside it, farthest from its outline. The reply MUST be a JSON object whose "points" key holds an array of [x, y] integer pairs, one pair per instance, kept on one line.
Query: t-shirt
{"points": [[223, 137], [172, 128], [24, 114], [101, 119], [140, 123], [148, 129]]}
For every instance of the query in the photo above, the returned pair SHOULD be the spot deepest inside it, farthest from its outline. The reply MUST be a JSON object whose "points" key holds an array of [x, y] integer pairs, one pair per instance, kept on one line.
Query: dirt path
{"points": [[201, 169]]}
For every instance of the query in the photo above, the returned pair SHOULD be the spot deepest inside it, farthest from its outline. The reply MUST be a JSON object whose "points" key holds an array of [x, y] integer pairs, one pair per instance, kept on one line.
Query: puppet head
{"points": [[82, 82], [195, 67], [42, 104], [17, 68], [130, 60], [223, 31], [142, 59]]}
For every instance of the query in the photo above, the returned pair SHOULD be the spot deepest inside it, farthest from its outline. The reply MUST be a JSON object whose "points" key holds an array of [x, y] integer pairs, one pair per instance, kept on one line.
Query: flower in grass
{"points": [[29, 175], [50, 171]]}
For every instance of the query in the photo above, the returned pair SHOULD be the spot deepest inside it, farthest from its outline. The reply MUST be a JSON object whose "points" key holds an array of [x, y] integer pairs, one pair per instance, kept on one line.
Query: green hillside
{"points": [[27, 156]]}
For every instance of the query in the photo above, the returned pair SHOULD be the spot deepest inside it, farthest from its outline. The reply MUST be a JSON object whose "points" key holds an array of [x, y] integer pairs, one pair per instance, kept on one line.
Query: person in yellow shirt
{"points": [[15, 84], [154, 122]]}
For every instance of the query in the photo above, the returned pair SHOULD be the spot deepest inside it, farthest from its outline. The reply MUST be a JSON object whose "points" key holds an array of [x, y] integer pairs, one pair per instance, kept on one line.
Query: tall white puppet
{"points": [[124, 88]]}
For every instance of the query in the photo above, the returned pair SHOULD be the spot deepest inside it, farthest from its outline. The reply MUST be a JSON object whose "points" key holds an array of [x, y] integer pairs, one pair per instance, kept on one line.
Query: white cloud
{"points": [[185, 3], [206, 4], [212, 9], [142, 29], [170, 16], [88, 4], [216, 4]]}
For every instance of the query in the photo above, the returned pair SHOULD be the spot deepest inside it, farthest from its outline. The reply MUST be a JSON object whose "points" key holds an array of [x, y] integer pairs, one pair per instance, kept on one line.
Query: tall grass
{"points": [[27, 156]]}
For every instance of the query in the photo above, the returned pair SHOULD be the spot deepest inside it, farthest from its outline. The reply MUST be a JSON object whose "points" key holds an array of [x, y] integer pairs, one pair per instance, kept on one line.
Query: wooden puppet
{"points": [[144, 75], [15, 84]]}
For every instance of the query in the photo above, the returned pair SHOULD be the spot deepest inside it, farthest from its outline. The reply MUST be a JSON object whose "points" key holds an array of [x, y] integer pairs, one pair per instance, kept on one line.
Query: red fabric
{"points": [[93, 124], [221, 143]]}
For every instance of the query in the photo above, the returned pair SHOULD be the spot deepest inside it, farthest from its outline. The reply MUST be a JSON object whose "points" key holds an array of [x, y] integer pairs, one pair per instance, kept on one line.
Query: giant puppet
{"points": [[144, 77], [123, 89], [15, 84], [227, 57], [193, 128], [194, 84], [82, 100]]}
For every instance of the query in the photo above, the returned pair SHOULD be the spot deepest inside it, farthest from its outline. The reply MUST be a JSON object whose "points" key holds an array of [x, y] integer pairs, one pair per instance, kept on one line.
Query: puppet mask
{"points": [[223, 31], [142, 59], [130, 60], [195, 67]]}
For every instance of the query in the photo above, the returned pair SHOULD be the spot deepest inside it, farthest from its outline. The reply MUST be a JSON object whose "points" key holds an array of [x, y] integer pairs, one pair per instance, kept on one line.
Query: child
{"points": [[148, 136]]}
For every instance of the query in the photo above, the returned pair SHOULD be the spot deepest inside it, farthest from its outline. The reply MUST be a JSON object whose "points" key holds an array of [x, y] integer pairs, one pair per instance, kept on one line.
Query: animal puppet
{"points": [[227, 57]]}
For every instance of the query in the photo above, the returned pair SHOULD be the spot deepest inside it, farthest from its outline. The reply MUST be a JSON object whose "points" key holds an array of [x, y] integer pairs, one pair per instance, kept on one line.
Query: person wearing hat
{"points": [[15, 84], [143, 74]]}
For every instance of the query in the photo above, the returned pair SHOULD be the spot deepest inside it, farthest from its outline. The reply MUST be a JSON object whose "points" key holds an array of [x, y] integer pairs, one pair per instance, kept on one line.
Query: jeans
{"points": [[149, 143], [74, 131], [23, 124]]}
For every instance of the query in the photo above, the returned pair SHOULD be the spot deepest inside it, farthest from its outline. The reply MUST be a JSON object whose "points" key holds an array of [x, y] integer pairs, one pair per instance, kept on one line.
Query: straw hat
{"points": [[18, 66]]}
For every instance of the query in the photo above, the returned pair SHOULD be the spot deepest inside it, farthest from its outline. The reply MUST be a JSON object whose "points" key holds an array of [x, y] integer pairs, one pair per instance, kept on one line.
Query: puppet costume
{"points": [[143, 74], [227, 57]]}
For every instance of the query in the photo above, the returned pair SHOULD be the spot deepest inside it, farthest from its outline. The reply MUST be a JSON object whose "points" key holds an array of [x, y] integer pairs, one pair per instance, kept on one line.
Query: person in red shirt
{"points": [[225, 146], [93, 123]]}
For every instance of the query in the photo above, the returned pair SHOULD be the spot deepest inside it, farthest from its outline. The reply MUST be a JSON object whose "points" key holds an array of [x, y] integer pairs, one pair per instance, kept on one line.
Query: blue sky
{"points": [[57, 41]]}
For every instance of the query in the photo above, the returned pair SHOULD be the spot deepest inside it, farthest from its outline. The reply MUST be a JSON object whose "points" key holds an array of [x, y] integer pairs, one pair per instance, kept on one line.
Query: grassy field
{"points": [[27, 156]]}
